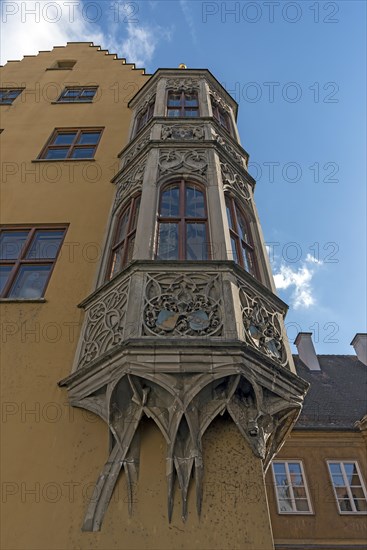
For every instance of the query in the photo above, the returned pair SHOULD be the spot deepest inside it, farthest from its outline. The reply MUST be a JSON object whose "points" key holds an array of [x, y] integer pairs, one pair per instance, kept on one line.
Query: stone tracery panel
{"points": [[130, 183], [186, 304], [104, 323], [262, 325]]}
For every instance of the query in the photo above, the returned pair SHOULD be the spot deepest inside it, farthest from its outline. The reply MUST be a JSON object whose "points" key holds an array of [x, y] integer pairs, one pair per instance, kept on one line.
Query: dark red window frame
{"points": [[222, 117], [144, 116], [122, 245], [22, 260], [183, 108], [244, 248], [182, 220]]}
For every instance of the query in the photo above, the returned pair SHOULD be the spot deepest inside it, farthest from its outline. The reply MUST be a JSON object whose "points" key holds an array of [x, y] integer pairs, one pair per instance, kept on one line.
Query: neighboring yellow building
{"points": [[128, 195]]}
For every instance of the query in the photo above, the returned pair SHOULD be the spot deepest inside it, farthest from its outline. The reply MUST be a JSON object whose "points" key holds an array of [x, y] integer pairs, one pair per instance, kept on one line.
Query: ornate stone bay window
{"points": [[184, 324]]}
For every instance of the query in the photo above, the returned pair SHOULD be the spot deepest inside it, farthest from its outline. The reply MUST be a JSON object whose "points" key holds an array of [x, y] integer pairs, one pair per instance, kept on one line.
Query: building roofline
{"points": [[91, 45]]}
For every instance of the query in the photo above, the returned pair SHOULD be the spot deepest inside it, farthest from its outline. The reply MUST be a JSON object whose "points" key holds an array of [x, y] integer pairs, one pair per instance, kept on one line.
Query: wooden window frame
{"points": [[80, 89], [130, 232], [182, 220], [290, 486], [349, 493], [22, 260], [182, 106], [218, 114], [241, 245], [9, 90], [144, 116], [71, 146]]}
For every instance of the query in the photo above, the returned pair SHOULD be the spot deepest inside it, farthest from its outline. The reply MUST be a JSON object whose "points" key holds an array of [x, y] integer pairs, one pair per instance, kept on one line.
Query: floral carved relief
{"points": [[189, 160], [217, 98], [182, 132], [229, 149], [183, 305], [182, 84], [233, 182], [143, 141]]}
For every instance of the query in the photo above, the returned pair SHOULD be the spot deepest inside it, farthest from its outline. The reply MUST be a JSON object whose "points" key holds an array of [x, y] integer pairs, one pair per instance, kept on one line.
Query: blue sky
{"points": [[298, 72]]}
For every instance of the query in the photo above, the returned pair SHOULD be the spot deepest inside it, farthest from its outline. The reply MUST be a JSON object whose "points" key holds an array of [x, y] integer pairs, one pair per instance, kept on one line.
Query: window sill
{"points": [[296, 513], [64, 160], [23, 300], [69, 102]]}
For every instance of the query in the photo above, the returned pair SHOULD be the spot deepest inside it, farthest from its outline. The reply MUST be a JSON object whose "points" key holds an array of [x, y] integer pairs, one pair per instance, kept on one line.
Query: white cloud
{"points": [[141, 42], [28, 27], [299, 281], [311, 259], [186, 8]]}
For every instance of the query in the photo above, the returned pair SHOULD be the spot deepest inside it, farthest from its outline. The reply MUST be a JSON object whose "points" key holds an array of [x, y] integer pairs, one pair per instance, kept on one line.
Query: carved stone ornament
{"points": [[182, 305], [104, 323], [182, 132], [130, 183], [217, 98], [227, 147], [233, 182], [182, 84], [140, 144], [182, 406], [185, 160], [262, 328]]}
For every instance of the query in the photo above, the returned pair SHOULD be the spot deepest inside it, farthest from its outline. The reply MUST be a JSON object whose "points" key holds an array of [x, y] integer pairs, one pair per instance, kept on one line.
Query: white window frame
{"points": [[347, 486], [292, 497]]}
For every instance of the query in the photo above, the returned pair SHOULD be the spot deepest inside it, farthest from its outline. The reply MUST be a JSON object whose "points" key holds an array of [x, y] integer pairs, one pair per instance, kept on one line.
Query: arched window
{"points": [[241, 239], [182, 222], [123, 243]]}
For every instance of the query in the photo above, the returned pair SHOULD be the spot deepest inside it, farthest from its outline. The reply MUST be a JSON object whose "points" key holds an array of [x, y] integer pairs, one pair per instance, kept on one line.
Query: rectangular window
{"points": [[72, 144], [349, 490], [27, 258], [290, 487], [144, 117], [7, 95], [78, 95], [182, 104]]}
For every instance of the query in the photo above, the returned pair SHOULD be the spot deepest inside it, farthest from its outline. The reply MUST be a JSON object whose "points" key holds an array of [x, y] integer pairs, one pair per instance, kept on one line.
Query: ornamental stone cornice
{"points": [[193, 74]]}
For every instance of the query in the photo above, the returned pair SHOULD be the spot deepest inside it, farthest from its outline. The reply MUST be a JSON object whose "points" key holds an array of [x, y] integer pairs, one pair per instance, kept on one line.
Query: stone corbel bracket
{"points": [[182, 404]]}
